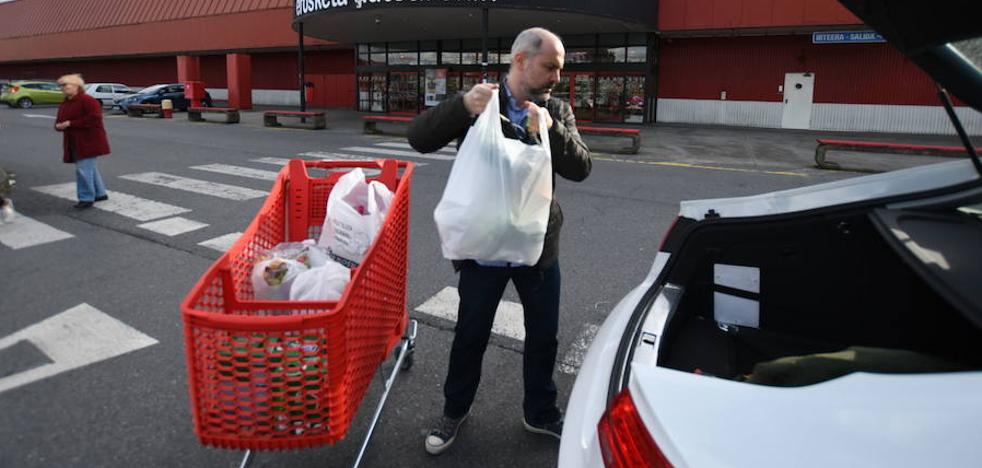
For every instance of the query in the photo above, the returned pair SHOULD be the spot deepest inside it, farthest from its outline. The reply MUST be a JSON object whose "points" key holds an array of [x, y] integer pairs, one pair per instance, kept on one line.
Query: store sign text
{"points": [[846, 37], [303, 7]]}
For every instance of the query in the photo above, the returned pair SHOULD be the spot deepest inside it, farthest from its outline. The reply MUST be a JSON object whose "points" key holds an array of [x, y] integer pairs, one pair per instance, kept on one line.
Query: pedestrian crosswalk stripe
{"points": [[393, 152], [222, 243], [240, 171], [172, 226], [509, 320], [573, 358], [274, 161], [21, 232], [74, 338], [329, 155], [130, 206], [283, 162], [204, 187], [407, 146]]}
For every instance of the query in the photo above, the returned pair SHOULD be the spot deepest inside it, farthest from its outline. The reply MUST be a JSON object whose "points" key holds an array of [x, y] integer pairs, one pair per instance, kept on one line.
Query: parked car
{"points": [[157, 93], [108, 93], [26, 94], [833, 325]]}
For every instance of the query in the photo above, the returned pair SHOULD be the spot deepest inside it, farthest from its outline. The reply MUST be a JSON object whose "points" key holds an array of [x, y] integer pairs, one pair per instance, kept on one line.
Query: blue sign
{"points": [[846, 37]]}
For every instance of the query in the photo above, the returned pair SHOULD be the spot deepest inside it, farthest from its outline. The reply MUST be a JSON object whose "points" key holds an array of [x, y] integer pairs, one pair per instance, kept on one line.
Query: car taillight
{"points": [[624, 441], [14, 89]]}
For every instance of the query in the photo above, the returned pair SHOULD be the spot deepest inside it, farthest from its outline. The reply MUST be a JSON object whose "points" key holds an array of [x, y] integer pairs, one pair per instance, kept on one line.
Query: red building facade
{"points": [[723, 62]]}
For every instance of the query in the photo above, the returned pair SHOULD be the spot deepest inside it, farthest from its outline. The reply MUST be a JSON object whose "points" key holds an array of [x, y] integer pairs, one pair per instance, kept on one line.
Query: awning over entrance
{"points": [[352, 21]]}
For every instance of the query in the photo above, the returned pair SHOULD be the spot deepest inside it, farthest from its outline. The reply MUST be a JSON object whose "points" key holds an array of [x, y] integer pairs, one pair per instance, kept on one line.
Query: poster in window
{"points": [[436, 86]]}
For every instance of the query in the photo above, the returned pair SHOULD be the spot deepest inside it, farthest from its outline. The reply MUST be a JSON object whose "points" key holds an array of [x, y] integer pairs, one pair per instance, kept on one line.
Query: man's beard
{"points": [[540, 94]]}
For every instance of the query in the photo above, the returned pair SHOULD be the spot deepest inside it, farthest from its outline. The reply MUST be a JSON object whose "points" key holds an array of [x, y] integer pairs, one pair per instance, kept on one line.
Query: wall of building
{"points": [[679, 15], [274, 77], [861, 87]]}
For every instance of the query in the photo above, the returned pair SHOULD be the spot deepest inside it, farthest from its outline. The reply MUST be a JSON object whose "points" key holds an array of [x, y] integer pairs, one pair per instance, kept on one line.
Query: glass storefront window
{"points": [[378, 54], [579, 54], [634, 99], [363, 57], [610, 103], [472, 52], [504, 57], [403, 92], [637, 54], [427, 53], [450, 54], [612, 48], [403, 53], [371, 92]]}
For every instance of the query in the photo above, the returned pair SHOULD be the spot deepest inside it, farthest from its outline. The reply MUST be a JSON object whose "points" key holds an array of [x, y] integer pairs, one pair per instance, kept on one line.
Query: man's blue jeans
{"points": [[480, 290], [88, 180]]}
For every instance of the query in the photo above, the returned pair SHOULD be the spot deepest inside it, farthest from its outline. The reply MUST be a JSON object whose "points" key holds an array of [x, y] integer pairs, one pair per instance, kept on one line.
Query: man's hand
{"points": [[533, 119], [63, 125], [477, 98]]}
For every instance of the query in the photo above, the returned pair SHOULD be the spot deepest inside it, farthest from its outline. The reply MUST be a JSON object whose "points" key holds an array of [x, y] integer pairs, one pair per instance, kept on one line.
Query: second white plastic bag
{"points": [[495, 206], [355, 212]]}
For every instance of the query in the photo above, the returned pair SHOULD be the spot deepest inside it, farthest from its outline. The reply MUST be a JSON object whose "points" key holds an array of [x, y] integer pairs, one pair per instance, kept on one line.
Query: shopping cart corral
{"points": [[273, 375]]}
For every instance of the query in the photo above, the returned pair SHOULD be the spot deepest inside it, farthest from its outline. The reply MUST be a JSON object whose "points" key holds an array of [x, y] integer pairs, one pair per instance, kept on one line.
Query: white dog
{"points": [[6, 210]]}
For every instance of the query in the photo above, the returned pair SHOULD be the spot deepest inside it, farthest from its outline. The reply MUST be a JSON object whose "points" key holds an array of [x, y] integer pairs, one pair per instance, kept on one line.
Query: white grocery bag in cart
{"points": [[496, 203], [355, 212]]}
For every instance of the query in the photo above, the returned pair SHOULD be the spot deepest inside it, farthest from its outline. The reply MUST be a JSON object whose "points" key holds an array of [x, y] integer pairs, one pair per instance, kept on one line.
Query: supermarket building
{"points": [[760, 63]]}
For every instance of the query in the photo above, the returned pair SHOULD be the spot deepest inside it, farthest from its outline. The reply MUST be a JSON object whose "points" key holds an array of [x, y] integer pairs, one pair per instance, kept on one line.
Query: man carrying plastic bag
{"points": [[537, 58]]}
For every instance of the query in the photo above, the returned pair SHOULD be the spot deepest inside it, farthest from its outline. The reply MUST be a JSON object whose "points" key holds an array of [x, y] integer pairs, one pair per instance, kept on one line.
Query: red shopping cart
{"points": [[268, 375]]}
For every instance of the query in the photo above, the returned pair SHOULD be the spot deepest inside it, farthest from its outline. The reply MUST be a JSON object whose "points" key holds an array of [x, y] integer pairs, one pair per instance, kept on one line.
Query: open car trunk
{"points": [[821, 283]]}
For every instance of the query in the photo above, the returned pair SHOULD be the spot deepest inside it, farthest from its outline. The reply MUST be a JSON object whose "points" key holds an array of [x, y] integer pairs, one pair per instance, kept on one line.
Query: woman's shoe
{"points": [[102, 198], [83, 205]]}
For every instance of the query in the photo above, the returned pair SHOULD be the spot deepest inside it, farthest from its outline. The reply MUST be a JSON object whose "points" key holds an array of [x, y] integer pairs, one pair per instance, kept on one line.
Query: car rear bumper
{"points": [[580, 447]]}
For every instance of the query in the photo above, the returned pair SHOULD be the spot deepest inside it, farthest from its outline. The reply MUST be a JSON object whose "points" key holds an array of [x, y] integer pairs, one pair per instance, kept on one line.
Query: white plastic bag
{"points": [[496, 203], [323, 283], [273, 277], [355, 213]]}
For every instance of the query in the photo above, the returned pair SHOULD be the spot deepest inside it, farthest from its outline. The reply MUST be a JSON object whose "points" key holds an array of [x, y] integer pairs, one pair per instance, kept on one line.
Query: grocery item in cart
{"points": [[276, 269], [356, 209], [323, 283]]}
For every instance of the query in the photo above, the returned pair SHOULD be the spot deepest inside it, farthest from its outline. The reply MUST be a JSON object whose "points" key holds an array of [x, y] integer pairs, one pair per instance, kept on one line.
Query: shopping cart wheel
{"points": [[407, 362]]}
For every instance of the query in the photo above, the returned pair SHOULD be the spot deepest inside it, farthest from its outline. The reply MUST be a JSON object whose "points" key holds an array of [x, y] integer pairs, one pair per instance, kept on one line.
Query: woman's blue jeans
{"points": [[88, 180]]}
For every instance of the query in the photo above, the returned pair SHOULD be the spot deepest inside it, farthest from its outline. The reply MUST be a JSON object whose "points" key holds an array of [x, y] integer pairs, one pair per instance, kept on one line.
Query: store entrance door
{"points": [[403, 93], [581, 96]]}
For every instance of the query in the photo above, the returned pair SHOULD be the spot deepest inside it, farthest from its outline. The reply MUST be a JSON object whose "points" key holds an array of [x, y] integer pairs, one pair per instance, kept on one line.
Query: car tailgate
{"points": [[858, 420]]}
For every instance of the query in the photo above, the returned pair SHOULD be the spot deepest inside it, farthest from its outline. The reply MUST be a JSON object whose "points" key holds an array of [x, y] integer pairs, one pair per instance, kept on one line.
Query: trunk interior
{"points": [[827, 283]]}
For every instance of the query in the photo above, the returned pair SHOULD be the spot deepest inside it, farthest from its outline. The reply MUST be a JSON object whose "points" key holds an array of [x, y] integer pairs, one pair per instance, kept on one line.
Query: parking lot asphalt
{"points": [[131, 408]]}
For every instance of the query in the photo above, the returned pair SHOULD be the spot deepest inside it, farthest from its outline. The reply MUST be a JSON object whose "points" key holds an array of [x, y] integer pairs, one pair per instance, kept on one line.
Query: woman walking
{"points": [[80, 120]]}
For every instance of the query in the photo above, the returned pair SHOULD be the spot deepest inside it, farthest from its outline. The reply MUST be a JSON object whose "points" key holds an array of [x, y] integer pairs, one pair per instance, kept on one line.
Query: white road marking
{"points": [[392, 152], [573, 358], [509, 320], [21, 232], [74, 338], [222, 243], [274, 161], [172, 226], [283, 162], [40, 116], [329, 155], [204, 187], [237, 171], [130, 206], [398, 144]]}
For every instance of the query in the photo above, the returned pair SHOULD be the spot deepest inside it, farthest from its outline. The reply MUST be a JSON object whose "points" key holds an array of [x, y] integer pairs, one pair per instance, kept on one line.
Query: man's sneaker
{"points": [[443, 435], [554, 428]]}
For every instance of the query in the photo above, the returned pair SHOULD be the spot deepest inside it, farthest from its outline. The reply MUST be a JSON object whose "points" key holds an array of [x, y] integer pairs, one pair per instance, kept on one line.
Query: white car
{"points": [[108, 93], [832, 325]]}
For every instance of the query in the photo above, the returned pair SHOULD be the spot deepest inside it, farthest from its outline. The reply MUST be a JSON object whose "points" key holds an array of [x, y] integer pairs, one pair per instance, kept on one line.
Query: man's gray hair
{"points": [[530, 40]]}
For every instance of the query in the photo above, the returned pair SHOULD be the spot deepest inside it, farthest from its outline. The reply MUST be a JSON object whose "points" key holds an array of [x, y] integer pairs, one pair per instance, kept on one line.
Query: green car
{"points": [[25, 94]]}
